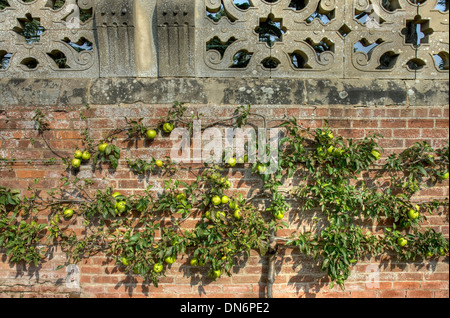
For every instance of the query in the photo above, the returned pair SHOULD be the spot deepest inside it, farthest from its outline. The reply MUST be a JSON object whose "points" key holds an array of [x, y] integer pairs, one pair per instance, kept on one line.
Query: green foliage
{"points": [[339, 178]]}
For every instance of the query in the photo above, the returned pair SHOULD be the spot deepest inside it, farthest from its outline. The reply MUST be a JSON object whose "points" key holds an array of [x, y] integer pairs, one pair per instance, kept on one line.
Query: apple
{"points": [[68, 213], [151, 133], [181, 197], [76, 163], [159, 163], [168, 127], [102, 147], [376, 154], [78, 154], [225, 199], [86, 156], [402, 241], [216, 200], [232, 162], [237, 214], [413, 214], [121, 206], [170, 260], [261, 168]]}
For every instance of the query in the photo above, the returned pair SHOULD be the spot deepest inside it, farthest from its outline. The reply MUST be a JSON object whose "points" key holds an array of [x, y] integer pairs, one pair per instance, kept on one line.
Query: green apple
{"points": [[116, 194], [181, 197], [102, 147], [68, 213], [232, 162], [194, 262], [376, 154], [220, 215], [151, 133], [76, 163], [225, 199], [170, 260], [121, 206], [216, 200], [261, 168], [217, 273], [86, 156], [278, 215], [330, 150], [168, 127], [78, 154], [158, 267], [237, 214], [159, 163], [413, 214], [125, 261], [402, 241]]}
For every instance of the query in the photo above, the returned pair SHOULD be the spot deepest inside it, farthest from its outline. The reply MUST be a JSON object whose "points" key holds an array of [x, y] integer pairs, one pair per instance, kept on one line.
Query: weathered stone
{"points": [[224, 91], [115, 31], [425, 92], [59, 50], [176, 37], [355, 92]]}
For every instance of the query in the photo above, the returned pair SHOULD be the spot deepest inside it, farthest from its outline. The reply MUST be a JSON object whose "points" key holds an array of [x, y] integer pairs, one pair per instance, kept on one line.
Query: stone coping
{"points": [[229, 91]]}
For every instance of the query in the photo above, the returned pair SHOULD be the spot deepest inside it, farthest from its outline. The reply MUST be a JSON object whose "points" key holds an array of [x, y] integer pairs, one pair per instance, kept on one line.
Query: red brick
{"points": [[406, 285], [419, 294], [421, 123], [392, 123], [392, 294]]}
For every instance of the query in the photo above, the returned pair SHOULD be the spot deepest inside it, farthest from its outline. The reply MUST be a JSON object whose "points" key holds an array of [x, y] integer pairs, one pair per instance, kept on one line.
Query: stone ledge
{"points": [[213, 91]]}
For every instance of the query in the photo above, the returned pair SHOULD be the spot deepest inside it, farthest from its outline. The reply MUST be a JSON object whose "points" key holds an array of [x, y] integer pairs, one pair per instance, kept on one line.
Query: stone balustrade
{"points": [[317, 39]]}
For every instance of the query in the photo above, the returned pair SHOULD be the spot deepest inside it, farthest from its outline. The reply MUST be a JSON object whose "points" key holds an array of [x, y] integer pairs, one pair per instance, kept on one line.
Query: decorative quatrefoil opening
{"points": [[369, 18], [5, 59], [30, 28], [416, 64], [81, 45], [219, 13], [442, 60], [300, 60], [323, 45], [388, 60], [442, 5], [417, 31], [270, 63], [270, 30], [298, 5], [323, 16], [241, 59], [4, 4], [243, 4], [219, 46], [59, 58], [30, 62], [365, 46], [344, 30], [55, 4], [391, 5]]}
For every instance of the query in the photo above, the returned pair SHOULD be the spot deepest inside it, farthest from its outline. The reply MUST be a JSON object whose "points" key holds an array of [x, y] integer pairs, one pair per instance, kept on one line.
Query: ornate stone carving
{"points": [[115, 29], [41, 40], [388, 39], [176, 37], [322, 39]]}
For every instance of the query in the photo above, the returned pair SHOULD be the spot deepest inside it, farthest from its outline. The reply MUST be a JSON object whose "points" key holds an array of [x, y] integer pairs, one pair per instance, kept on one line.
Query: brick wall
{"points": [[296, 275]]}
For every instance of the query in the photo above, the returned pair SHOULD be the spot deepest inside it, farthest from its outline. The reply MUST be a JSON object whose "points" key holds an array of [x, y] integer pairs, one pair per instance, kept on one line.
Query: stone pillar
{"points": [[176, 37], [115, 32], [145, 38]]}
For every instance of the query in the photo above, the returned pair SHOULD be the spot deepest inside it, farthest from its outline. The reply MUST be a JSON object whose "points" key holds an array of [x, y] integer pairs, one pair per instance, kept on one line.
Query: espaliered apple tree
{"points": [[145, 233]]}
